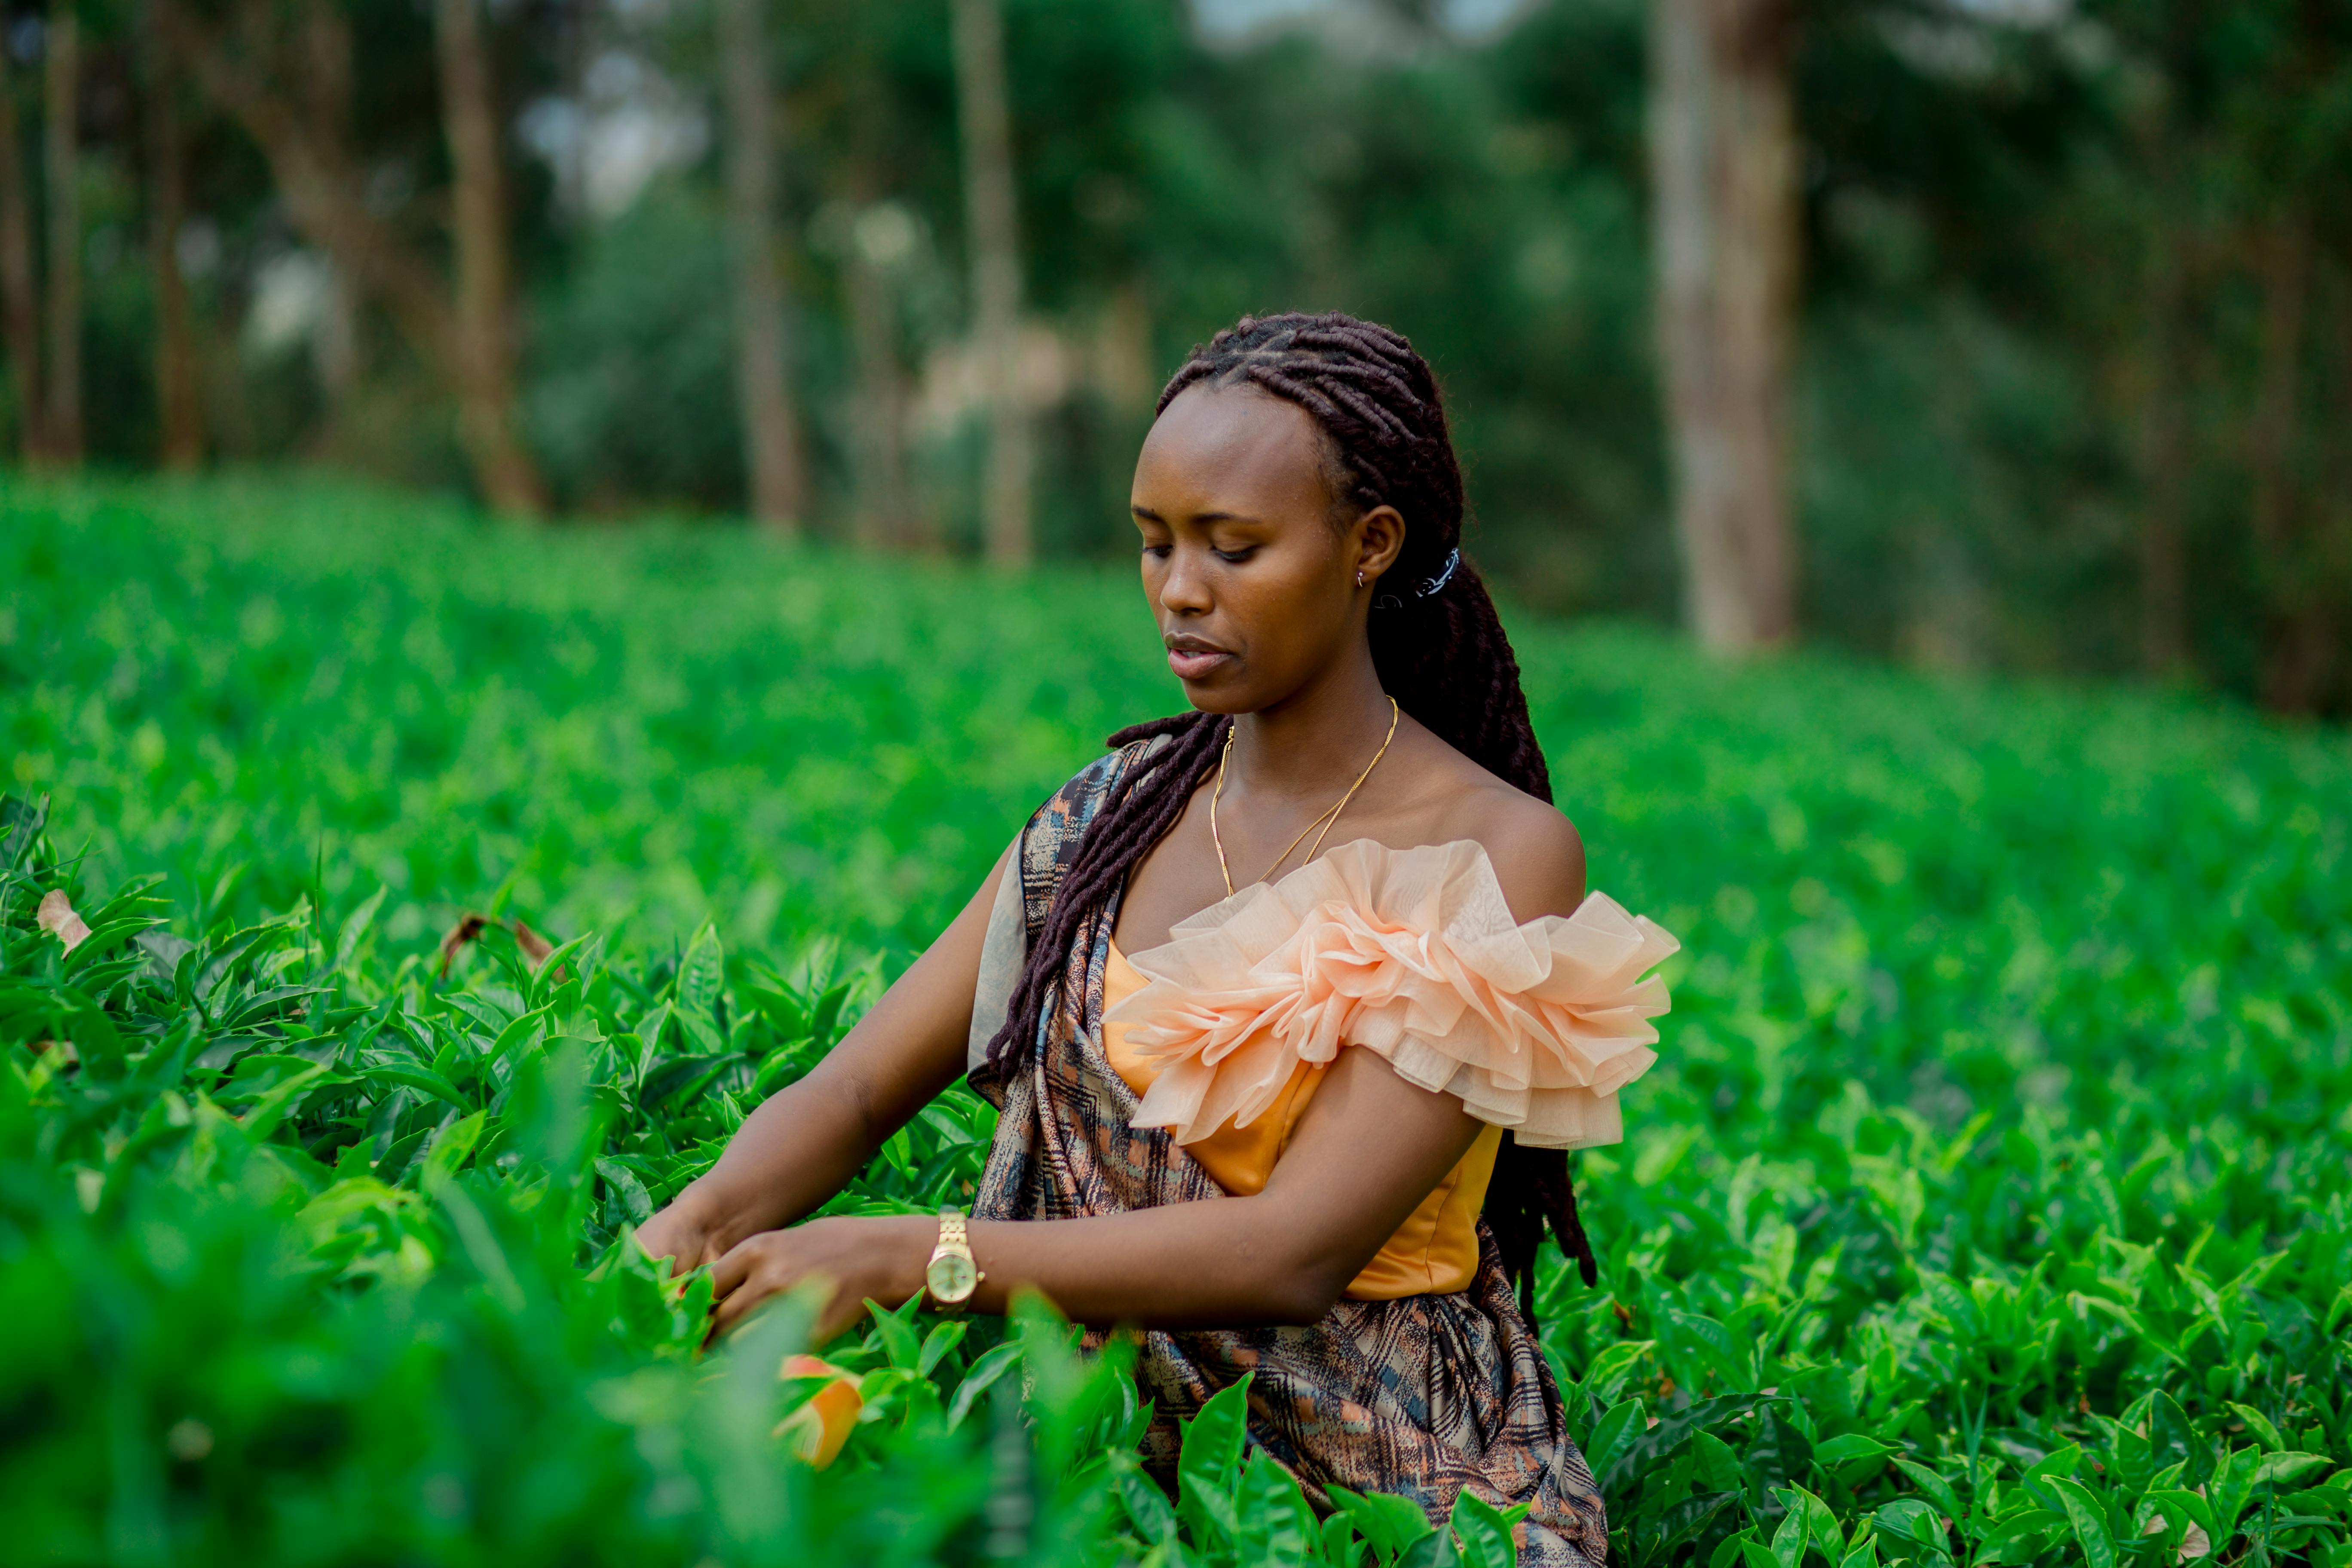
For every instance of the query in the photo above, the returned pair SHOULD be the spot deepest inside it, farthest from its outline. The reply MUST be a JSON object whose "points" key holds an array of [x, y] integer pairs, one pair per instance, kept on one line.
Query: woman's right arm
{"points": [[808, 1140]]}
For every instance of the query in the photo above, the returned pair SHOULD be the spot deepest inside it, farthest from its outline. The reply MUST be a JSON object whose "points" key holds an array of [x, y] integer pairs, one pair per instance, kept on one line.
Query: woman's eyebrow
{"points": [[1196, 518]]}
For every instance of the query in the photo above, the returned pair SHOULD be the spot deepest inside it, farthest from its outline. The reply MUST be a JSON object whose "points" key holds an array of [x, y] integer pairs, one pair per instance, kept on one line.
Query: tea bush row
{"points": [[1990, 1204]]}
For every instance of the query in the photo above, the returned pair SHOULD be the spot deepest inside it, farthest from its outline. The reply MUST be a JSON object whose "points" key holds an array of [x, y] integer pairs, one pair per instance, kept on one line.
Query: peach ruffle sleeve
{"points": [[1411, 953]]}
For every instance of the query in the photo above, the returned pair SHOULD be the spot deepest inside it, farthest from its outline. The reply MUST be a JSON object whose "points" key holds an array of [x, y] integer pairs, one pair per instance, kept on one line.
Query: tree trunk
{"points": [[20, 300], [178, 410], [289, 91], [483, 356], [2164, 459], [61, 152], [986, 124], [2293, 649], [771, 447], [338, 351], [884, 520], [1723, 165], [2332, 527]]}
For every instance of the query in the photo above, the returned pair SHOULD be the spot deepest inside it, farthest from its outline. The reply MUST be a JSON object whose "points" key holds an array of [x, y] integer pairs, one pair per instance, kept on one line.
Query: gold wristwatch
{"points": [[952, 1275]]}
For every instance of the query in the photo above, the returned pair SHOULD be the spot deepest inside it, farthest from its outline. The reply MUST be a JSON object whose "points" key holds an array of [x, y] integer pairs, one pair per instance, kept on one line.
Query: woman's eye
{"points": [[1158, 551], [1235, 557]]}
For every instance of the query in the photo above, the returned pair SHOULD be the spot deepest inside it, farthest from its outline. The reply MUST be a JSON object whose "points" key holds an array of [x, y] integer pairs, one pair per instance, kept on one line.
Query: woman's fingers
{"points": [[726, 1313], [674, 1236], [750, 1274], [727, 1275], [847, 1254], [682, 1255], [736, 1304], [757, 1269]]}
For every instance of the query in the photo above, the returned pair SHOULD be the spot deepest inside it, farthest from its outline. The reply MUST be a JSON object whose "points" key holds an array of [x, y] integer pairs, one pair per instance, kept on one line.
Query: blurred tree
{"points": [[2166, 455], [20, 300], [2061, 387], [2277, 504], [61, 438], [2288, 110], [992, 235], [483, 348], [1724, 155], [772, 443], [283, 74], [878, 240], [178, 408]]}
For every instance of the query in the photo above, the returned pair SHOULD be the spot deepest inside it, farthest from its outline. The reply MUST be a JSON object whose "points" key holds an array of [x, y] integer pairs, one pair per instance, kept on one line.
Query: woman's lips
{"points": [[1191, 664]]}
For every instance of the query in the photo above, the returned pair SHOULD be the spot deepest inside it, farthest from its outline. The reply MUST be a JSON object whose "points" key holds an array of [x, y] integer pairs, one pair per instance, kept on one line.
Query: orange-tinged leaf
{"points": [[817, 1430]]}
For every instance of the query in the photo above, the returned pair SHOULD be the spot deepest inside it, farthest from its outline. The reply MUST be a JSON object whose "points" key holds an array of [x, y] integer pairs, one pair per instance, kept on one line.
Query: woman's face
{"points": [[1251, 580]]}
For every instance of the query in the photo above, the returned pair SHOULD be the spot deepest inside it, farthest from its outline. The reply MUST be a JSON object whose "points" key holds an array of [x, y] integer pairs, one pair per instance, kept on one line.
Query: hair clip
{"points": [[1432, 586]]}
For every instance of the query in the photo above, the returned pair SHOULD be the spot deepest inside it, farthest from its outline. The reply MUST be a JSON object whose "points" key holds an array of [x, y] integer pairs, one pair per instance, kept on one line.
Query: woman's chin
{"points": [[1214, 694]]}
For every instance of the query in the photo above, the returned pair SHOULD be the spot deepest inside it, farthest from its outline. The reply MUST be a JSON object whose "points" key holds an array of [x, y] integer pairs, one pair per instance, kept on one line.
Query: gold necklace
{"points": [[1327, 818]]}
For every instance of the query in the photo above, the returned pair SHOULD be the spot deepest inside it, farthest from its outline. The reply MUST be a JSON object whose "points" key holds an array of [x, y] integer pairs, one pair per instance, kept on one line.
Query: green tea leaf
{"points": [[700, 974], [1718, 1467], [2260, 1426], [1147, 1506], [1932, 1486], [2282, 1469], [1789, 1540], [1851, 1448], [1615, 1429], [2089, 1524], [1390, 1524], [633, 1196], [982, 1376], [1208, 1462], [1482, 1532], [355, 928]]}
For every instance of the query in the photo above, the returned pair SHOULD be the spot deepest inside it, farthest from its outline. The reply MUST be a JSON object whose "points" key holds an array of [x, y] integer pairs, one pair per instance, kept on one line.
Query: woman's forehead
{"points": [[1232, 449]]}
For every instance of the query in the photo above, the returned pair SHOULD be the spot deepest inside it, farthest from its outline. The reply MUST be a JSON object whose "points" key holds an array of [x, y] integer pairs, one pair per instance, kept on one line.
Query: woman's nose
{"points": [[1185, 589]]}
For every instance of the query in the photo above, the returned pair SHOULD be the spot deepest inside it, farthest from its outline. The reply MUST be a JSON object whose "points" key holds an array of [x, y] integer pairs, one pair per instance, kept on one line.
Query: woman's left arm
{"points": [[1369, 1148]]}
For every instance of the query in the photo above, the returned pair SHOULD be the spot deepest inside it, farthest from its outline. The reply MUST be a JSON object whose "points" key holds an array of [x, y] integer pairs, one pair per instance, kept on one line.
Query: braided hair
{"points": [[1437, 645]]}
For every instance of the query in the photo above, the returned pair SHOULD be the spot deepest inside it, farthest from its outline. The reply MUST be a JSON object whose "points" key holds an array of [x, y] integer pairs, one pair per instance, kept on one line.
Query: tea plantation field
{"points": [[1991, 1204]]}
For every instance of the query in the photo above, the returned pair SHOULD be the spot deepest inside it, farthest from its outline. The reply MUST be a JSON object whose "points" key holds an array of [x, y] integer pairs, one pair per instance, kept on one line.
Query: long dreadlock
{"points": [[1438, 646]]}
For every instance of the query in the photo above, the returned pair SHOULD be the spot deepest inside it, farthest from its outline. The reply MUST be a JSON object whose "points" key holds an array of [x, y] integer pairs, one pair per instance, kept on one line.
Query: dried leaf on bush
{"points": [[57, 916], [468, 928]]}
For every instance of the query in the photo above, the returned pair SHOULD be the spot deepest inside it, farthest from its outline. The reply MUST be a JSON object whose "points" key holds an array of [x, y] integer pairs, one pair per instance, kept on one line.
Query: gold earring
{"points": [[1360, 579]]}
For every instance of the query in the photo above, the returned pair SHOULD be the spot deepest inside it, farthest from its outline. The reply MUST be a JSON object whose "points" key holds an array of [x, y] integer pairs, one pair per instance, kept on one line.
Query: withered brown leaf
{"points": [[56, 914], [468, 928]]}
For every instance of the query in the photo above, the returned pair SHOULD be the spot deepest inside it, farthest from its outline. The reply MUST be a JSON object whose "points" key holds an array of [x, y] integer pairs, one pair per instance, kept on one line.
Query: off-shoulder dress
{"points": [[1178, 1074]]}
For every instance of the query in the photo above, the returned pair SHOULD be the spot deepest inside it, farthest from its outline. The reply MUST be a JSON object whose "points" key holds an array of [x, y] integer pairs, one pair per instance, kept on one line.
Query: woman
{"points": [[1405, 1014]]}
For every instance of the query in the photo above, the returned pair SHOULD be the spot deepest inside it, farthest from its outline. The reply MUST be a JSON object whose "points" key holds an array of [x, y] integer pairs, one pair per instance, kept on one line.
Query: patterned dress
{"points": [[1421, 1397]]}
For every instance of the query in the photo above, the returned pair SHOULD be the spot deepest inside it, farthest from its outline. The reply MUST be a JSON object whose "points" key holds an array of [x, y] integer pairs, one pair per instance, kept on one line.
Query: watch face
{"points": [[951, 1278]]}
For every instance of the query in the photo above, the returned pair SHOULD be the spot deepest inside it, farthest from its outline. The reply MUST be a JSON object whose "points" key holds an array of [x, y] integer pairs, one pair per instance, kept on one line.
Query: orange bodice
{"points": [[1436, 1248]]}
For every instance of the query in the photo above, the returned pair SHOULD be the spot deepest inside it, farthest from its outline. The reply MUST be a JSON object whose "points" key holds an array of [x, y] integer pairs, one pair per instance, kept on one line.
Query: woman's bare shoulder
{"points": [[1537, 855]]}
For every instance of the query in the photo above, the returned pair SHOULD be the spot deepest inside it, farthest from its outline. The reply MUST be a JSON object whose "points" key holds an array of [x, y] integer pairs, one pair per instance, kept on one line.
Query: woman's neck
{"points": [[1318, 739]]}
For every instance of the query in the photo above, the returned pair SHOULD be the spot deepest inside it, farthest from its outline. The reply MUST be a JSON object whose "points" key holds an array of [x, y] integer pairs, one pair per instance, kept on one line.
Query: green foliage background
{"points": [[1990, 1203], [2042, 309]]}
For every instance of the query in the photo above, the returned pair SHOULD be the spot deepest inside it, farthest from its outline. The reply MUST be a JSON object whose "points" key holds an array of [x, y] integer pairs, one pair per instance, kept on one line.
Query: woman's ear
{"points": [[1379, 540]]}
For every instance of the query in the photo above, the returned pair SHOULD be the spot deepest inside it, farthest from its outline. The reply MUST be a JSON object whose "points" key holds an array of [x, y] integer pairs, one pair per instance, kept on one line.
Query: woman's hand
{"points": [[811, 1137], [880, 1257], [684, 1233]]}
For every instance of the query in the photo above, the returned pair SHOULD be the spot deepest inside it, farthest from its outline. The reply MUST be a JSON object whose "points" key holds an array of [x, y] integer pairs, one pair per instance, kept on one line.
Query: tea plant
{"points": [[1990, 1204]]}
